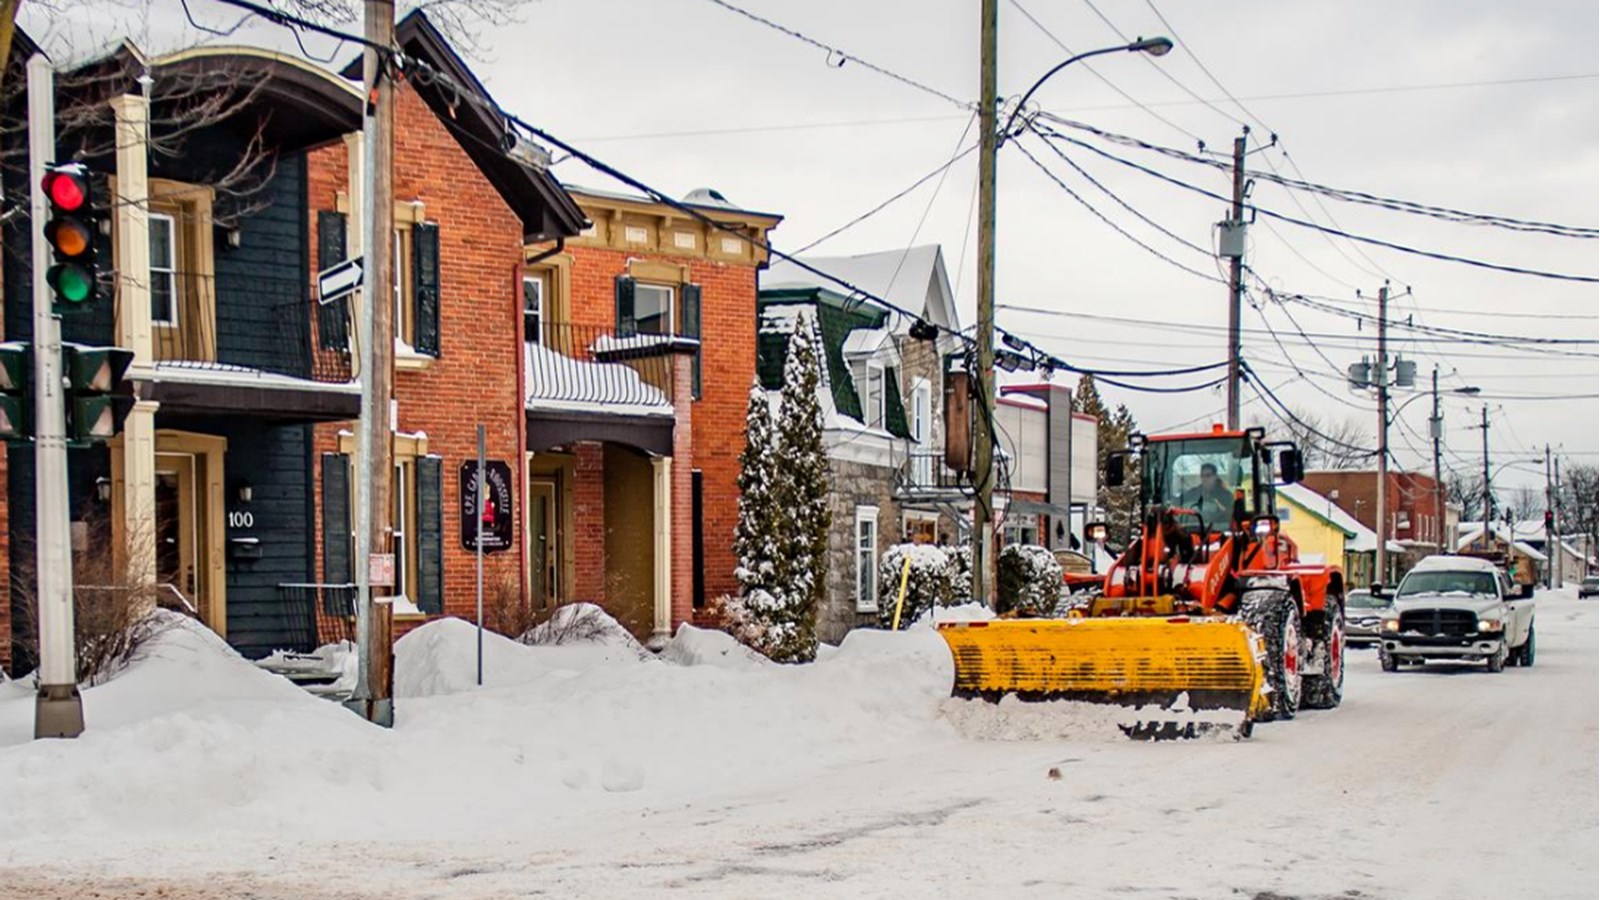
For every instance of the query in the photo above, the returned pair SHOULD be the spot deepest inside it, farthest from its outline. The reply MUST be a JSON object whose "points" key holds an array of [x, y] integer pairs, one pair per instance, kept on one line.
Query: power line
{"points": [[937, 172], [1446, 213], [842, 56], [1304, 223], [1114, 226]]}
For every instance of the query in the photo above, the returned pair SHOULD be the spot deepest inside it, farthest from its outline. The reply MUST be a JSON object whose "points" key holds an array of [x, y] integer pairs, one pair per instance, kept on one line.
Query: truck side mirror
{"points": [[1377, 589], [1525, 592], [1116, 465], [1291, 466]]}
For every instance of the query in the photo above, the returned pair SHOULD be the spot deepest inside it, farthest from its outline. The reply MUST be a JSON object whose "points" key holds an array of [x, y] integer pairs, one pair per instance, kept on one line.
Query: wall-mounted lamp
{"points": [[246, 492], [234, 238], [102, 489]]}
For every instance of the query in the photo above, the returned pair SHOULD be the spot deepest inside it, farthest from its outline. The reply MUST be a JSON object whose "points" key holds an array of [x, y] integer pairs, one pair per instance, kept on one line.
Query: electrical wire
{"points": [[1304, 223], [937, 172]]}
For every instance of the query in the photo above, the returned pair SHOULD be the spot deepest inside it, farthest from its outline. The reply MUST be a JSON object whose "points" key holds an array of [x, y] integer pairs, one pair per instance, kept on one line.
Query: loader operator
{"points": [[1211, 498]]}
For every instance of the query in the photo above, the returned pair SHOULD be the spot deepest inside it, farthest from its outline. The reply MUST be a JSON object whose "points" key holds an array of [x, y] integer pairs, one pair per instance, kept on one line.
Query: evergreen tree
{"points": [[802, 494], [755, 538]]}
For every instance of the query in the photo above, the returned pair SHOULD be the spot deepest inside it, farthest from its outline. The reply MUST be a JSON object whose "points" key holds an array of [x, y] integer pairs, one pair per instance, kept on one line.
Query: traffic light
{"points": [[16, 407], [71, 231], [98, 399]]}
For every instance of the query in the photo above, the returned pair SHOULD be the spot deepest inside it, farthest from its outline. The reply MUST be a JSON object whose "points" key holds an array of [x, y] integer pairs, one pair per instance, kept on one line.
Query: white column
{"points": [[661, 469], [138, 459]]}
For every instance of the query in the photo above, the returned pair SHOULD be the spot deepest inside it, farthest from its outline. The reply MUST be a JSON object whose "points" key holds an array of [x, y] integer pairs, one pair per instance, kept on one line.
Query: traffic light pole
{"points": [[58, 711]]}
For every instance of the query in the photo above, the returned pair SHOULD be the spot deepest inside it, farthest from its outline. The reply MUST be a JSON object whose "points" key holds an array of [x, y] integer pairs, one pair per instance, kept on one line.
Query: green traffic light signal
{"points": [[71, 282]]}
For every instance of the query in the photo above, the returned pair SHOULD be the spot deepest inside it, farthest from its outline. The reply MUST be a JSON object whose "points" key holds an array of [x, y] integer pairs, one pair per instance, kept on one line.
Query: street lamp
{"points": [[989, 140], [1156, 46]]}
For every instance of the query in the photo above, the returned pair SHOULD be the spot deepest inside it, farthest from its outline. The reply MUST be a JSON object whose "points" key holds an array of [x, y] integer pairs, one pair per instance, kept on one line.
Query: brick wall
{"points": [[1410, 499], [475, 379], [728, 328]]}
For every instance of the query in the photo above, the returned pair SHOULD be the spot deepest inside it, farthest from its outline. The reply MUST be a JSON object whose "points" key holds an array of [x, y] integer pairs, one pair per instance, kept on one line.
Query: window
{"points": [[921, 411], [532, 308], [866, 559], [1024, 532], [869, 384], [652, 309], [163, 269], [404, 538], [404, 321]]}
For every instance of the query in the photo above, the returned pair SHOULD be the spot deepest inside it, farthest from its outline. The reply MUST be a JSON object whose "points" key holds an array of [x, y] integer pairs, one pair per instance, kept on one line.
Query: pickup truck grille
{"points": [[1454, 622]]}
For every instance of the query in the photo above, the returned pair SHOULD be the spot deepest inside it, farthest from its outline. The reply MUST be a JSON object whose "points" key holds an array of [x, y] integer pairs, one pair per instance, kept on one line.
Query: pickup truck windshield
{"points": [[1471, 583]]}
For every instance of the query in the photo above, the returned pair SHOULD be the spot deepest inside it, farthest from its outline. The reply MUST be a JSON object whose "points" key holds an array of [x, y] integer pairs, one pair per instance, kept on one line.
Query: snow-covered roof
{"points": [[913, 279], [1472, 532], [1358, 538]]}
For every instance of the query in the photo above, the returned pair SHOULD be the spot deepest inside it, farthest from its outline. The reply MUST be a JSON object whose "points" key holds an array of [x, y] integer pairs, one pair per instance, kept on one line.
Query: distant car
{"points": [[1363, 618], [1589, 586]]}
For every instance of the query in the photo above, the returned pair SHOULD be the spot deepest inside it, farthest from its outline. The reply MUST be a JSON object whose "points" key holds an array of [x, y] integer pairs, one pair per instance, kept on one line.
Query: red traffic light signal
{"points": [[67, 187], [70, 232]]}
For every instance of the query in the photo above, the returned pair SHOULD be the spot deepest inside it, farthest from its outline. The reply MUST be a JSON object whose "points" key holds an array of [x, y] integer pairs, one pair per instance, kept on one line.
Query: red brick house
{"points": [[1413, 513]]}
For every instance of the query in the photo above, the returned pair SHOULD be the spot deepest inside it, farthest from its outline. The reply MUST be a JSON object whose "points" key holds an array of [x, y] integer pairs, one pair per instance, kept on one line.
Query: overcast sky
{"points": [[1479, 105]]}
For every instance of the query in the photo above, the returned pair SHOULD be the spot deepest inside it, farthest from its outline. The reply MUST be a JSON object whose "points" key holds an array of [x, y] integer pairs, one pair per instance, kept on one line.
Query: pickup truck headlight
{"points": [[1491, 625], [1391, 625]]}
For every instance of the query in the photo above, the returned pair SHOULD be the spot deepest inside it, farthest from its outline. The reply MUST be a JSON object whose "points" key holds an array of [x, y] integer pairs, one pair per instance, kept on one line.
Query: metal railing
{"points": [[925, 473], [239, 324], [315, 614], [584, 365]]}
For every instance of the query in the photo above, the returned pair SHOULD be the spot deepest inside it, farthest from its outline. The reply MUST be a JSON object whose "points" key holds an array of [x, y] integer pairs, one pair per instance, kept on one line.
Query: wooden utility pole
{"points": [[1380, 375], [983, 464], [1487, 495], [1236, 280], [1436, 431], [373, 696]]}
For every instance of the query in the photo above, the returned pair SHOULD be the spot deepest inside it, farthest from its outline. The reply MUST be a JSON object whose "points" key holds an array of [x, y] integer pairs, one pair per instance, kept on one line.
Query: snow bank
{"points": [[441, 657], [693, 646]]}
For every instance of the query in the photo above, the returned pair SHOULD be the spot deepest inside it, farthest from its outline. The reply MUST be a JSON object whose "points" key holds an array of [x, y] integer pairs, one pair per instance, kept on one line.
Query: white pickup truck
{"points": [[1460, 608]]}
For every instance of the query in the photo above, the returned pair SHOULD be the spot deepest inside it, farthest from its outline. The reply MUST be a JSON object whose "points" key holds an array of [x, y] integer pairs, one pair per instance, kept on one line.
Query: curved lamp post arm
{"points": [[1156, 46]]}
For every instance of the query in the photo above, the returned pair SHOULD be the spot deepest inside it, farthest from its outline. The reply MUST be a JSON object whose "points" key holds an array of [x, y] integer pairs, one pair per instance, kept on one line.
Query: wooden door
{"points": [[545, 542]]}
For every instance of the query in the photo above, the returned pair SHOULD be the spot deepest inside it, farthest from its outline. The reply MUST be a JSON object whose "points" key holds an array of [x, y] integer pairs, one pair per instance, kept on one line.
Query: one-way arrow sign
{"points": [[339, 281]]}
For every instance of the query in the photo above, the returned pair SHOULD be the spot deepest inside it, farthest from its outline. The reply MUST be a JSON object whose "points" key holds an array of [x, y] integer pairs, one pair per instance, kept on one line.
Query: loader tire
{"points": [[1326, 691], [1274, 614]]}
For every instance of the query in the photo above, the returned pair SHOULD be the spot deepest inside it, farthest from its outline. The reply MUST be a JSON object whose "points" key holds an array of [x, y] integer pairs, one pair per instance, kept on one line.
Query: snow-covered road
{"points": [[845, 781]]}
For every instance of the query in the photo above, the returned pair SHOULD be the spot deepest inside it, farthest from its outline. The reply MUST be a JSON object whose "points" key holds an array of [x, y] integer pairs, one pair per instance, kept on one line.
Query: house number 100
{"points": [[241, 519]]}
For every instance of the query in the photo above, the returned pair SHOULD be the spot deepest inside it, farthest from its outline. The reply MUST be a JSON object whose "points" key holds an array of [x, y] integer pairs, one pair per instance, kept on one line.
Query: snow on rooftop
{"points": [[912, 279]]}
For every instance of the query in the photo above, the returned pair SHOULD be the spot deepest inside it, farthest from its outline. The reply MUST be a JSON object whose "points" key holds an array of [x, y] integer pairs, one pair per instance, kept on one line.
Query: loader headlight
{"points": [[1391, 625], [1491, 625]]}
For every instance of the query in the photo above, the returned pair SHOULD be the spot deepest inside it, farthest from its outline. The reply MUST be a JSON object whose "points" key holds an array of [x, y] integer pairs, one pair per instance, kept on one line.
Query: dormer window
{"points": [[869, 377]]}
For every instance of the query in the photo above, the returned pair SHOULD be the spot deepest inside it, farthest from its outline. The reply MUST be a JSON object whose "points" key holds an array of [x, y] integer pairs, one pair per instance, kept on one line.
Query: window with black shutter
{"points": [[332, 318], [336, 535], [627, 320], [425, 287], [691, 328], [430, 534]]}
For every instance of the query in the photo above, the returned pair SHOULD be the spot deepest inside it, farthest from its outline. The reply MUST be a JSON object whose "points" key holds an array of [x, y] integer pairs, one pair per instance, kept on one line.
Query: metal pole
{"points": [[58, 710], [983, 511], [1236, 287], [1436, 428], [1381, 374], [1551, 551], [374, 624], [481, 464], [1555, 522]]}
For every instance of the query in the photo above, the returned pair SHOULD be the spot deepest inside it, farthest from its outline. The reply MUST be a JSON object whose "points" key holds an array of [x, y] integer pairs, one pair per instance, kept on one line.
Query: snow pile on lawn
{"points": [[441, 657], [693, 646]]}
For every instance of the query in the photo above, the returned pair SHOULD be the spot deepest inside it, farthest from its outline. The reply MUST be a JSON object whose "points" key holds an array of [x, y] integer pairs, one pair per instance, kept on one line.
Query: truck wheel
{"points": [[1497, 662], [1274, 615], [1389, 663], [1326, 691], [1525, 654]]}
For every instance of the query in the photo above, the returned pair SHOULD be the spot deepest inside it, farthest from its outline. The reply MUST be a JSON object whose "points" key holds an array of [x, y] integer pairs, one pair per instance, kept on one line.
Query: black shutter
{"points": [[691, 328], [336, 519], [425, 286], [894, 409], [333, 318], [430, 535], [627, 322]]}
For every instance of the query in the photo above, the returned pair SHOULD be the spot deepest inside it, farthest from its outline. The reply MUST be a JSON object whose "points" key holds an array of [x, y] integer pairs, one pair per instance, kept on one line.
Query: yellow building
{"points": [[1314, 523]]}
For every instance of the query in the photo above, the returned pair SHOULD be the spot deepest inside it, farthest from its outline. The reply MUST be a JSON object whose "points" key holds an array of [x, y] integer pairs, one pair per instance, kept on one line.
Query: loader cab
{"points": [[1210, 481]]}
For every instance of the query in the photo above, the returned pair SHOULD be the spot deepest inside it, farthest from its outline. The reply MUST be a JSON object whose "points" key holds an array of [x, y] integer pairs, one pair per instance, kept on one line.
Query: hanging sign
{"points": [[496, 508]]}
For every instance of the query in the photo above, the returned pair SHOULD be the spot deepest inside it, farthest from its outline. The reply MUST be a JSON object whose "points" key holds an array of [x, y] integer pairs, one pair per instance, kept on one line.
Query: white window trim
{"points": [[866, 514], [536, 279], [174, 297], [921, 402], [869, 367], [672, 305]]}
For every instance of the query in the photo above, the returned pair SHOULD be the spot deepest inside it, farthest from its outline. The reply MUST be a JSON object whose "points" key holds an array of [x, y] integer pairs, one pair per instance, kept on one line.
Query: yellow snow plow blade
{"points": [[1129, 661]]}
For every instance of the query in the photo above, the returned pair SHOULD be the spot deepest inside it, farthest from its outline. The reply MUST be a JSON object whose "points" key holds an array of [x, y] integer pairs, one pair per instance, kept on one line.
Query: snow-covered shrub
{"points": [[1027, 580], [960, 558], [927, 585], [781, 539]]}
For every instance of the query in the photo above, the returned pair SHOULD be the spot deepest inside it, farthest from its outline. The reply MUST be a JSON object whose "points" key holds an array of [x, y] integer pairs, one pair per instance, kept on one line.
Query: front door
{"points": [[543, 534], [180, 562]]}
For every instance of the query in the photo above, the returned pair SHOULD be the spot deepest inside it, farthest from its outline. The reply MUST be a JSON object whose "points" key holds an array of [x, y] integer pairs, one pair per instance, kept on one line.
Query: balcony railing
{"points": [[926, 474], [584, 366], [244, 324]]}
